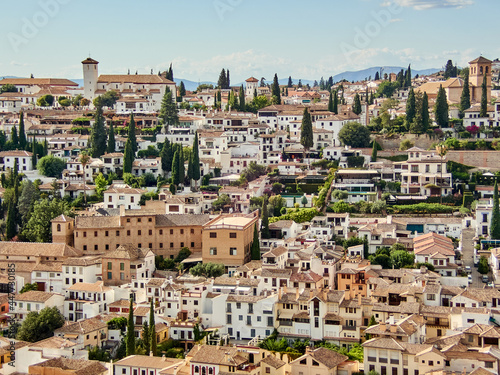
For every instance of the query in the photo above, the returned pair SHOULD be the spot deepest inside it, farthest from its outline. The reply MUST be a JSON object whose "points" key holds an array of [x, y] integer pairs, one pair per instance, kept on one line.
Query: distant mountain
{"points": [[191, 85], [360, 75]]}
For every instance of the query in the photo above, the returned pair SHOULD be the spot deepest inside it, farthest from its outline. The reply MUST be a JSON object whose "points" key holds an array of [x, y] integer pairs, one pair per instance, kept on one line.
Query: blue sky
{"points": [[304, 39]]}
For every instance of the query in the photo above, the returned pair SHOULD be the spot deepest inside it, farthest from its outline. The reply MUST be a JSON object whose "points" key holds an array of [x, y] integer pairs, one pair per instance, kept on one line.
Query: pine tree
{"points": [[166, 157], [484, 98], [330, 102], [10, 227], [14, 137], [374, 151], [128, 157], [146, 337], [276, 89], [356, 107], [98, 134], [242, 99], [176, 179], [495, 216], [255, 244], [222, 82], [465, 97], [152, 328], [169, 113], [264, 226], [290, 82], [335, 103], [131, 133], [448, 70], [441, 108], [130, 337], [410, 107], [425, 113], [196, 159], [22, 132], [111, 147], [306, 131]]}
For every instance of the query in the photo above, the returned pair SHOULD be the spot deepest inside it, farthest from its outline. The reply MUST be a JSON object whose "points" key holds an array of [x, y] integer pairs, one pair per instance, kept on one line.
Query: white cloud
{"points": [[432, 4]]}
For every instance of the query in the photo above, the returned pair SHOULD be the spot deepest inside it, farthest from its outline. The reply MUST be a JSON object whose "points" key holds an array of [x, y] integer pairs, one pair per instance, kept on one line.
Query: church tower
{"points": [[63, 230], [477, 69], [89, 78], [251, 85]]}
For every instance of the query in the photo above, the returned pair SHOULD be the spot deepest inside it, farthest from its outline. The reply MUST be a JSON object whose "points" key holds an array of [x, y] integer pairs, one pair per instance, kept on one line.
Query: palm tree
{"points": [[441, 149], [84, 159]]}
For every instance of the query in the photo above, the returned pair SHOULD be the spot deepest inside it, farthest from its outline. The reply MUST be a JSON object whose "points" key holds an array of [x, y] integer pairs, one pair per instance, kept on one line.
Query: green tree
{"points": [[330, 102], [207, 270], [335, 103], [449, 70], [100, 185], [34, 146], [40, 325], [408, 77], [131, 133], [108, 99], [275, 90], [255, 244], [11, 227], [166, 156], [29, 195], [128, 157], [98, 354], [356, 107], [441, 108], [14, 137], [111, 147], [264, 226], [176, 179], [483, 267], [242, 99], [196, 174], [465, 97], [152, 328], [222, 82], [410, 108], [290, 82], [130, 337], [495, 215], [182, 90], [306, 131], [402, 258], [483, 112], [98, 134], [9, 87], [354, 134], [22, 132], [39, 228], [28, 287], [221, 201], [169, 113], [374, 151], [50, 166]]}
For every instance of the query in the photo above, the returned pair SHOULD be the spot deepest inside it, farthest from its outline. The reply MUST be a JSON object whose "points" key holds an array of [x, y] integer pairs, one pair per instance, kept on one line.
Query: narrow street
{"points": [[468, 257]]}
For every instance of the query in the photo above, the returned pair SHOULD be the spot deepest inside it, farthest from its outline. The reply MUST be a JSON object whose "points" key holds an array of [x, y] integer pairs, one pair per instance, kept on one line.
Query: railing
{"points": [[287, 323], [349, 328]]}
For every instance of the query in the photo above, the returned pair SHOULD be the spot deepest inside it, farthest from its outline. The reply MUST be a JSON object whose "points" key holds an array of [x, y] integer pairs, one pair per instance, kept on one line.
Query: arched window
{"points": [[480, 70], [486, 69], [210, 370], [58, 227], [196, 369], [203, 370]]}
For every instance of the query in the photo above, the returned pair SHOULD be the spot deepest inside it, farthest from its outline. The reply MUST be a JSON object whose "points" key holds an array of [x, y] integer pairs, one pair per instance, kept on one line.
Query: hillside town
{"points": [[360, 224]]}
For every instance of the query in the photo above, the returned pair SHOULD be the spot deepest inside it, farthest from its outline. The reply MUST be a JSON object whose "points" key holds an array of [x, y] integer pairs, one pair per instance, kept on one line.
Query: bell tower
{"points": [[63, 230], [90, 76], [478, 70]]}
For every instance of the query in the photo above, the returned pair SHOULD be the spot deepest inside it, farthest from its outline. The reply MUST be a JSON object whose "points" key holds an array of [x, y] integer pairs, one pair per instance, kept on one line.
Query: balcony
{"points": [[349, 328]]}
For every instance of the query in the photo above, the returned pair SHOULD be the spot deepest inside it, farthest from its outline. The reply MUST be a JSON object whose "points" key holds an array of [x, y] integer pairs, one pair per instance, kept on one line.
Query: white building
{"points": [[122, 195], [23, 158], [35, 301], [85, 300]]}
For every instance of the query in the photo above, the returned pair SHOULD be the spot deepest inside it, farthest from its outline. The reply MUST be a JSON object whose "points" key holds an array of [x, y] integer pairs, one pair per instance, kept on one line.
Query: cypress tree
{"points": [[377, 76], [441, 108], [130, 337], [495, 215], [330, 102], [175, 169], [425, 113], [33, 150], [408, 77], [242, 99], [196, 159], [411, 109], [264, 226], [182, 90], [14, 138], [374, 151], [356, 107], [3, 139], [228, 81], [290, 82], [335, 103], [182, 169], [169, 113], [166, 157], [10, 227], [98, 134], [152, 328], [128, 157], [146, 337], [111, 139], [276, 89], [222, 82], [131, 133], [306, 131], [484, 98], [465, 97], [255, 244], [45, 147], [254, 93], [22, 133]]}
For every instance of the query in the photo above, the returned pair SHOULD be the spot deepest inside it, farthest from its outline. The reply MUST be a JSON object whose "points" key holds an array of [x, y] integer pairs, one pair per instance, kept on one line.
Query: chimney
{"points": [[151, 353], [297, 294], [163, 358], [359, 300], [393, 328], [279, 293], [308, 349], [383, 327]]}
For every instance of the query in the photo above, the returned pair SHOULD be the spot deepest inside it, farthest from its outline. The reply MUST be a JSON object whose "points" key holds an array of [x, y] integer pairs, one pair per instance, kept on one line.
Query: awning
{"points": [[70, 336]]}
